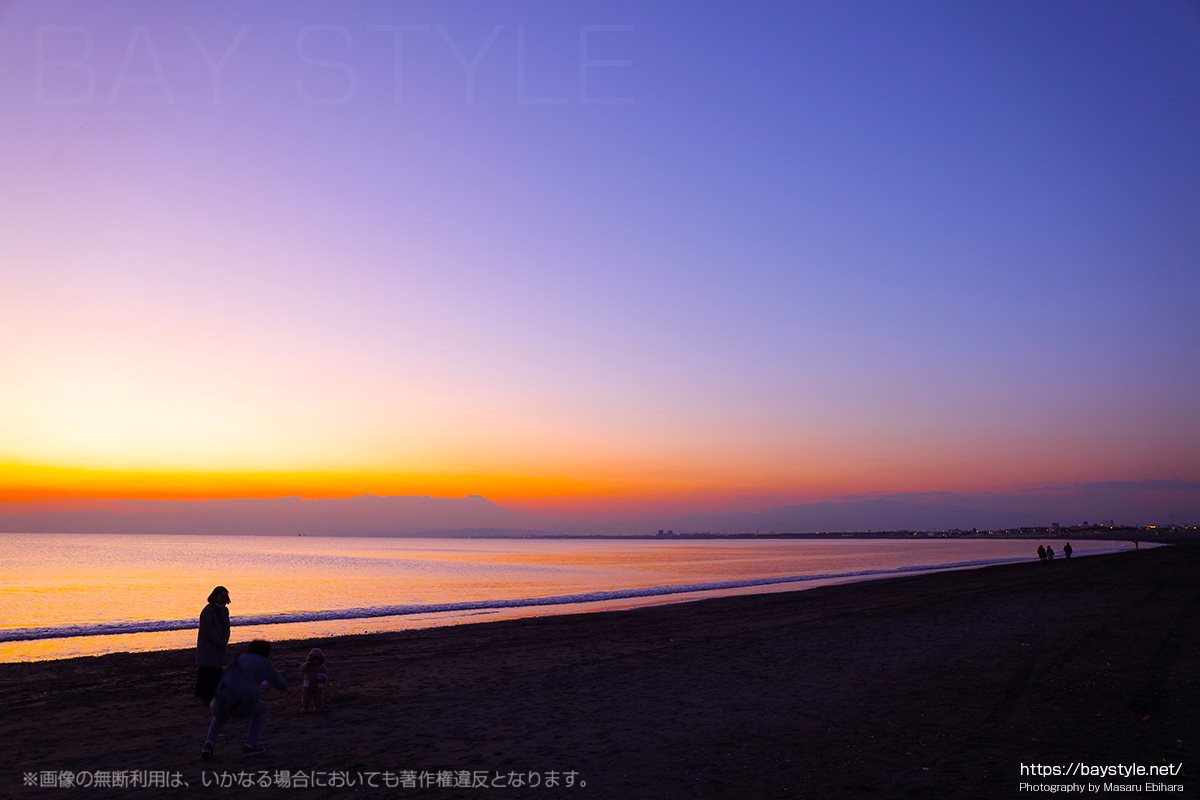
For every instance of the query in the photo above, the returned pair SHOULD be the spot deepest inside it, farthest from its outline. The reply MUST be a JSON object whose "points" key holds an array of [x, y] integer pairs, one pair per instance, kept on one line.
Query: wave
{"points": [[284, 617]]}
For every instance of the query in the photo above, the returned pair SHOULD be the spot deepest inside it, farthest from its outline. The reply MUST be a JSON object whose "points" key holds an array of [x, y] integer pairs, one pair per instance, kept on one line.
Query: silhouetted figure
{"points": [[314, 677], [1049, 553], [210, 643], [237, 696], [1067, 550], [1041, 553]]}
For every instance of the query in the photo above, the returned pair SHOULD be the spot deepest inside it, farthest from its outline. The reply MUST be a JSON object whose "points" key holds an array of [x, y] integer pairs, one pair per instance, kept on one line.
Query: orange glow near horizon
{"points": [[26, 483], [55, 485], [594, 491], [587, 310]]}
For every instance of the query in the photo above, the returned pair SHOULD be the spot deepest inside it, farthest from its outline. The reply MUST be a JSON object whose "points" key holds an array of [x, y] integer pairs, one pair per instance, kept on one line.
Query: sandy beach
{"points": [[934, 686]]}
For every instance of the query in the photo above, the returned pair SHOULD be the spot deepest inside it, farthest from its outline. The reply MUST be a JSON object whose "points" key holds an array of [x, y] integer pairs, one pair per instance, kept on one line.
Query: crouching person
{"points": [[237, 696]]}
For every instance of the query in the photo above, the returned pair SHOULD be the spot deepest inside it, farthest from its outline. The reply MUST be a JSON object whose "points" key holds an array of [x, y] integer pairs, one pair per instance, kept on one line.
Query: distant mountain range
{"points": [[369, 515], [363, 515]]}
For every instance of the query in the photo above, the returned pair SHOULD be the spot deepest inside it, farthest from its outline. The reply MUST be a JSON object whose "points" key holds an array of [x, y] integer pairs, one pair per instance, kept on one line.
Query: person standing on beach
{"points": [[237, 696], [1067, 550], [1041, 553], [314, 678], [211, 640]]}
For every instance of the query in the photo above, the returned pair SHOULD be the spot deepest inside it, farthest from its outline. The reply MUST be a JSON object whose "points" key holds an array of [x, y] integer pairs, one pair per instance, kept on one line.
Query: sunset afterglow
{"points": [[643, 265]]}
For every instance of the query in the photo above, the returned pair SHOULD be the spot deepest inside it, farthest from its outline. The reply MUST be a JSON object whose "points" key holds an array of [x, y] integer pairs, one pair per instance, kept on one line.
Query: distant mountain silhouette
{"points": [[1133, 502], [271, 516]]}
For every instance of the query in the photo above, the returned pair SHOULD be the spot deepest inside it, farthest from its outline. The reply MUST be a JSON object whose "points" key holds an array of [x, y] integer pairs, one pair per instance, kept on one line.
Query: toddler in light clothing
{"points": [[314, 678]]}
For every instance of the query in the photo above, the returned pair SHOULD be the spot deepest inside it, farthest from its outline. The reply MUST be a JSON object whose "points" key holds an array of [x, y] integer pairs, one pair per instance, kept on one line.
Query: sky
{"points": [[602, 260]]}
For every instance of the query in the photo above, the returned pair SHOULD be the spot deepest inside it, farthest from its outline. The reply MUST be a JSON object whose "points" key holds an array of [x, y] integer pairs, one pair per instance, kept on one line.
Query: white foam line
{"points": [[280, 618]]}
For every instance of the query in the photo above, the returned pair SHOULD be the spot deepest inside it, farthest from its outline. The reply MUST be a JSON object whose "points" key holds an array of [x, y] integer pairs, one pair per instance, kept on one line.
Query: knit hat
{"points": [[316, 653]]}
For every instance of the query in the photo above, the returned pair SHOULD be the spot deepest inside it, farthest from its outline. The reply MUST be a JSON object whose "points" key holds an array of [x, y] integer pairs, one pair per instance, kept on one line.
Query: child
{"points": [[237, 696], [314, 679]]}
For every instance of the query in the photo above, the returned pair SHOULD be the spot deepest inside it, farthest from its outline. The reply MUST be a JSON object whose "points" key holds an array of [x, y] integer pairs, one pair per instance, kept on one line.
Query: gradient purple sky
{"points": [[594, 257]]}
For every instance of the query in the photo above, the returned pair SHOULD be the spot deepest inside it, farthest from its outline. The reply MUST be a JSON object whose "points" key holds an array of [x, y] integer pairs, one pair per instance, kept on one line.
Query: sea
{"points": [[68, 595]]}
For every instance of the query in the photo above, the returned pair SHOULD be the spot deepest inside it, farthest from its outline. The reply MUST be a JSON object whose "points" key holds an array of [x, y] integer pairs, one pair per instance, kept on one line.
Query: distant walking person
{"points": [[1041, 553], [1049, 553], [1067, 550], [210, 643], [237, 696]]}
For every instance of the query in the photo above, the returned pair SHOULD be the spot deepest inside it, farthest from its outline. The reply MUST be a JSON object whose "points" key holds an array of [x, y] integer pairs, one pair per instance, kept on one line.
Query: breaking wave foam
{"points": [[283, 617]]}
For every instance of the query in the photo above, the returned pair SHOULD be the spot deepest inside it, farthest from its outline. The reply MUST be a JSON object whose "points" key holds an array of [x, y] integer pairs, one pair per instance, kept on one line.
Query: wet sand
{"points": [[930, 686]]}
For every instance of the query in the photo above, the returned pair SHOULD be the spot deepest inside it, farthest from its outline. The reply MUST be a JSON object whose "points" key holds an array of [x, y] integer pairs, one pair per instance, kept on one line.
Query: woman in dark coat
{"points": [[210, 643]]}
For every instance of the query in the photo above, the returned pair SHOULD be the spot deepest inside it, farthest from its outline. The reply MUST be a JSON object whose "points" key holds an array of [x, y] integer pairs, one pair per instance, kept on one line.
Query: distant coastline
{"points": [[1163, 534], [1123, 533]]}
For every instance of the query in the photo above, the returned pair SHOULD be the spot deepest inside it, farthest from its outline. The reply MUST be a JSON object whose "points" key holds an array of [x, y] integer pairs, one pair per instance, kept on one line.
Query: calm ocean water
{"points": [[66, 595]]}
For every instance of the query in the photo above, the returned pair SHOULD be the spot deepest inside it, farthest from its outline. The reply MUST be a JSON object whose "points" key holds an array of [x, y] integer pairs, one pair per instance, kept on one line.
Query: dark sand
{"points": [[930, 686]]}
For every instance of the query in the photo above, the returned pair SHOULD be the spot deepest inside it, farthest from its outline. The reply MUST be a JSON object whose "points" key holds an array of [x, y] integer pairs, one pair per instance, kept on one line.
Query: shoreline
{"points": [[938, 683], [154, 635]]}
